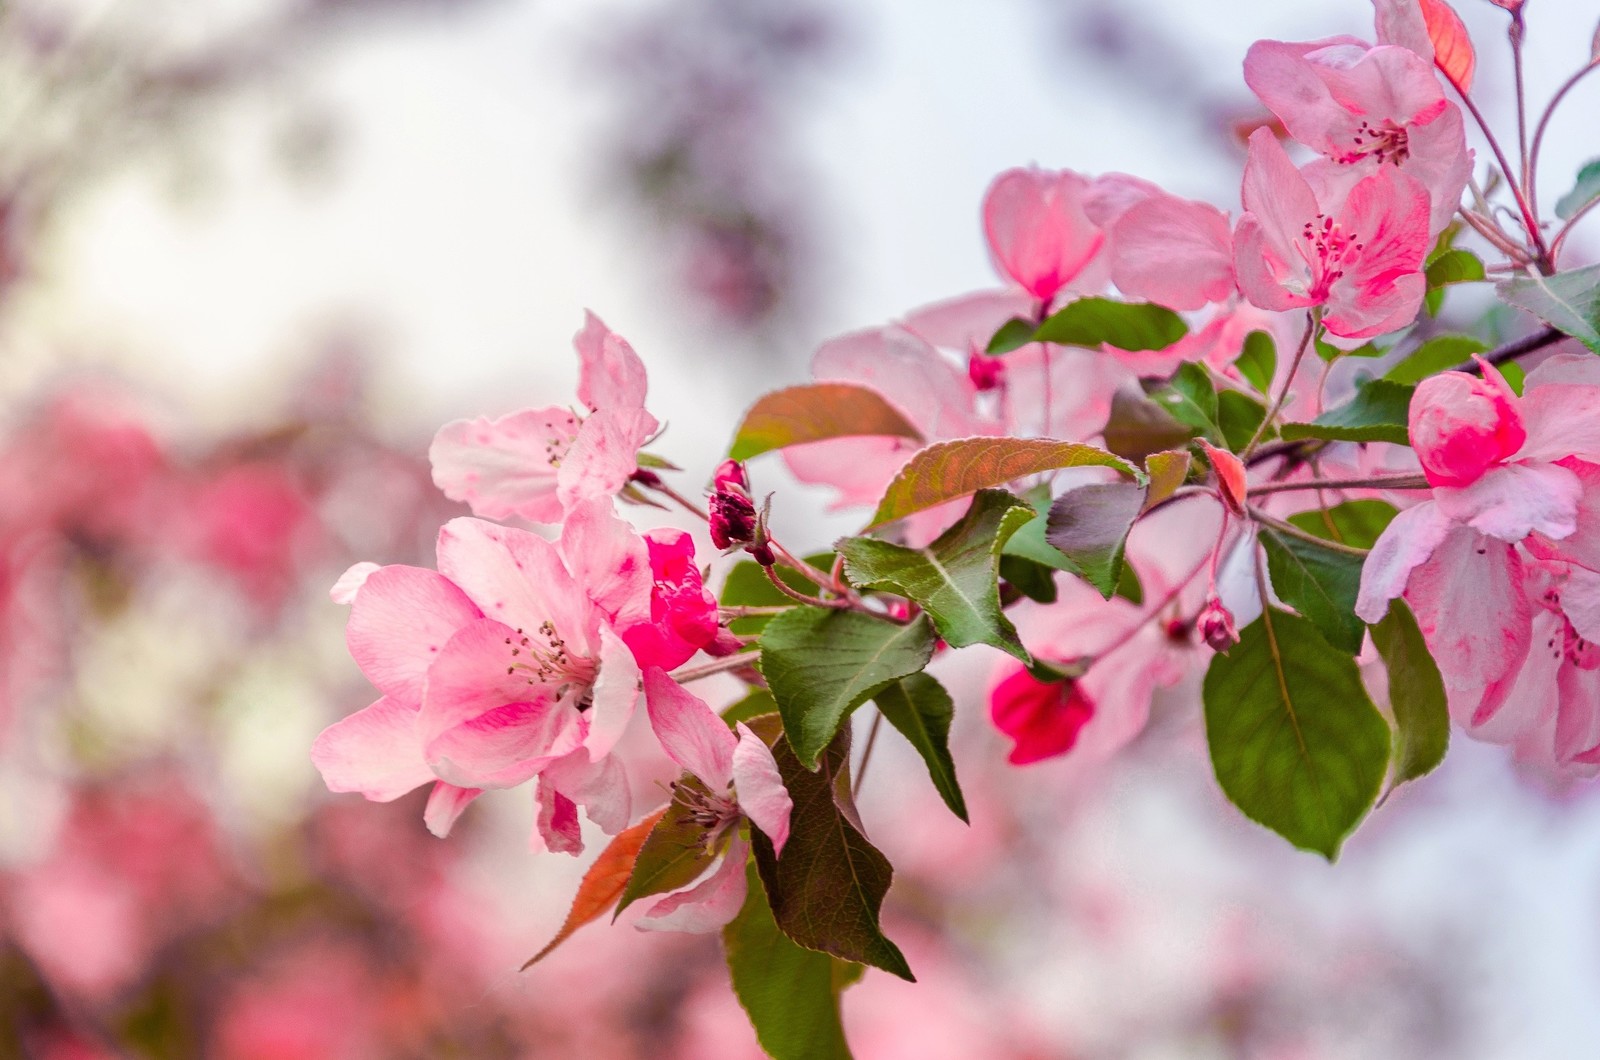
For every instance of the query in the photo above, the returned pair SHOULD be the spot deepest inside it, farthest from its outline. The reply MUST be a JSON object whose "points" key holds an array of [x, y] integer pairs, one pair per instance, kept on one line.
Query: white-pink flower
{"points": [[537, 463], [738, 780]]}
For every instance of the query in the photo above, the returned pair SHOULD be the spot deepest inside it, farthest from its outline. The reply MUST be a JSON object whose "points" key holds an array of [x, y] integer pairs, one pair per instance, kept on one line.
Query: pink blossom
{"points": [[738, 779], [1458, 558], [1304, 243], [1038, 233], [1365, 108], [537, 463], [504, 665], [733, 513]]}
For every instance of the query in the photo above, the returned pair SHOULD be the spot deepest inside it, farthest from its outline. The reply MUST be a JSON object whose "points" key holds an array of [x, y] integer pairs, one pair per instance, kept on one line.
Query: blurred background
{"points": [[254, 252]]}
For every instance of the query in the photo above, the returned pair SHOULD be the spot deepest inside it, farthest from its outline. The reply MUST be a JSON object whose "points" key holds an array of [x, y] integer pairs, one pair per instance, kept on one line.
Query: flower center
{"points": [[706, 810], [1386, 142], [544, 657], [1328, 248]]}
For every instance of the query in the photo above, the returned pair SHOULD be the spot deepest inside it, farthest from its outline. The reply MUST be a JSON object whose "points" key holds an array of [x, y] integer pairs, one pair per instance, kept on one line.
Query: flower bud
{"points": [[733, 515], [1462, 425], [986, 372], [1043, 717], [1216, 626]]}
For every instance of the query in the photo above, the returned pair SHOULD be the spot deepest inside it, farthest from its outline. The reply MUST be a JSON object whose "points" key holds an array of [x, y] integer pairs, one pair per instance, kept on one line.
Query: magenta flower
{"points": [[683, 616], [537, 463], [1304, 243], [738, 780], [507, 664], [1043, 718], [1363, 109]]}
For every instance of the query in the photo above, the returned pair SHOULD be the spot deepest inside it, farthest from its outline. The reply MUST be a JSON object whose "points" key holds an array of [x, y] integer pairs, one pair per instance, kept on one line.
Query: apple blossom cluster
{"points": [[1181, 448]]}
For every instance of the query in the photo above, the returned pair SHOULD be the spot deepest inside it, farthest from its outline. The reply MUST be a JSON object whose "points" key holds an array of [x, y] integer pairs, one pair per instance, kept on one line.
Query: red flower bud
{"points": [[1216, 626]]}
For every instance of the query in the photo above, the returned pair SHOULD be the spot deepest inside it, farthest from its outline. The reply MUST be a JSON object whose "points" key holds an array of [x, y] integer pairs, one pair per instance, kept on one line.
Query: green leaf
{"points": [[1138, 426], [1320, 583], [1435, 355], [1585, 191], [1378, 413], [948, 471], [1454, 266], [1238, 416], [955, 579], [789, 992], [747, 586], [1514, 375], [1353, 523], [674, 854], [1191, 398], [1258, 362], [1329, 352], [1013, 335], [1127, 326], [821, 664], [1028, 542], [1090, 525], [816, 412], [754, 705], [828, 887], [1295, 741], [1568, 301], [920, 708], [1416, 694], [1029, 578], [1166, 472]]}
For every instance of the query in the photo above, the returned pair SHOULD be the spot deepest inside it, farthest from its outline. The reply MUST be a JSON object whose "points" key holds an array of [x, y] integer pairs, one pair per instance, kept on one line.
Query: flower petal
{"points": [[399, 621], [610, 374], [555, 828], [759, 785], [505, 467], [689, 730], [517, 577], [708, 905], [375, 751], [1514, 500], [604, 455], [609, 559], [1405, 544], [350, 582], [616, 692], [445, 805]]}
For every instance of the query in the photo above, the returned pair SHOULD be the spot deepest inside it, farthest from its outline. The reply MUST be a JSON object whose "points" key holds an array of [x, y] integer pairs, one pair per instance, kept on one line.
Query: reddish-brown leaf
{"points": [[603, 884], [814, 413], [1452, 47], [950, 470]]}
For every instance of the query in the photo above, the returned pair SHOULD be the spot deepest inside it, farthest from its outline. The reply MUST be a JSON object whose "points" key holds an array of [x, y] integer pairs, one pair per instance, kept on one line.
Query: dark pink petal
{"points": [[445, 805], [518, 578], [399, 622], [483, 727], [759, 786], [690, 731], [375, 751], [1461, 425], [616, 692], [1514, 500], [683, 616], [555, 828], [609, 559], [1044, 719], [505, 467], [1386, 217], [610, 374], [1405, 544], [707, 906]]}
